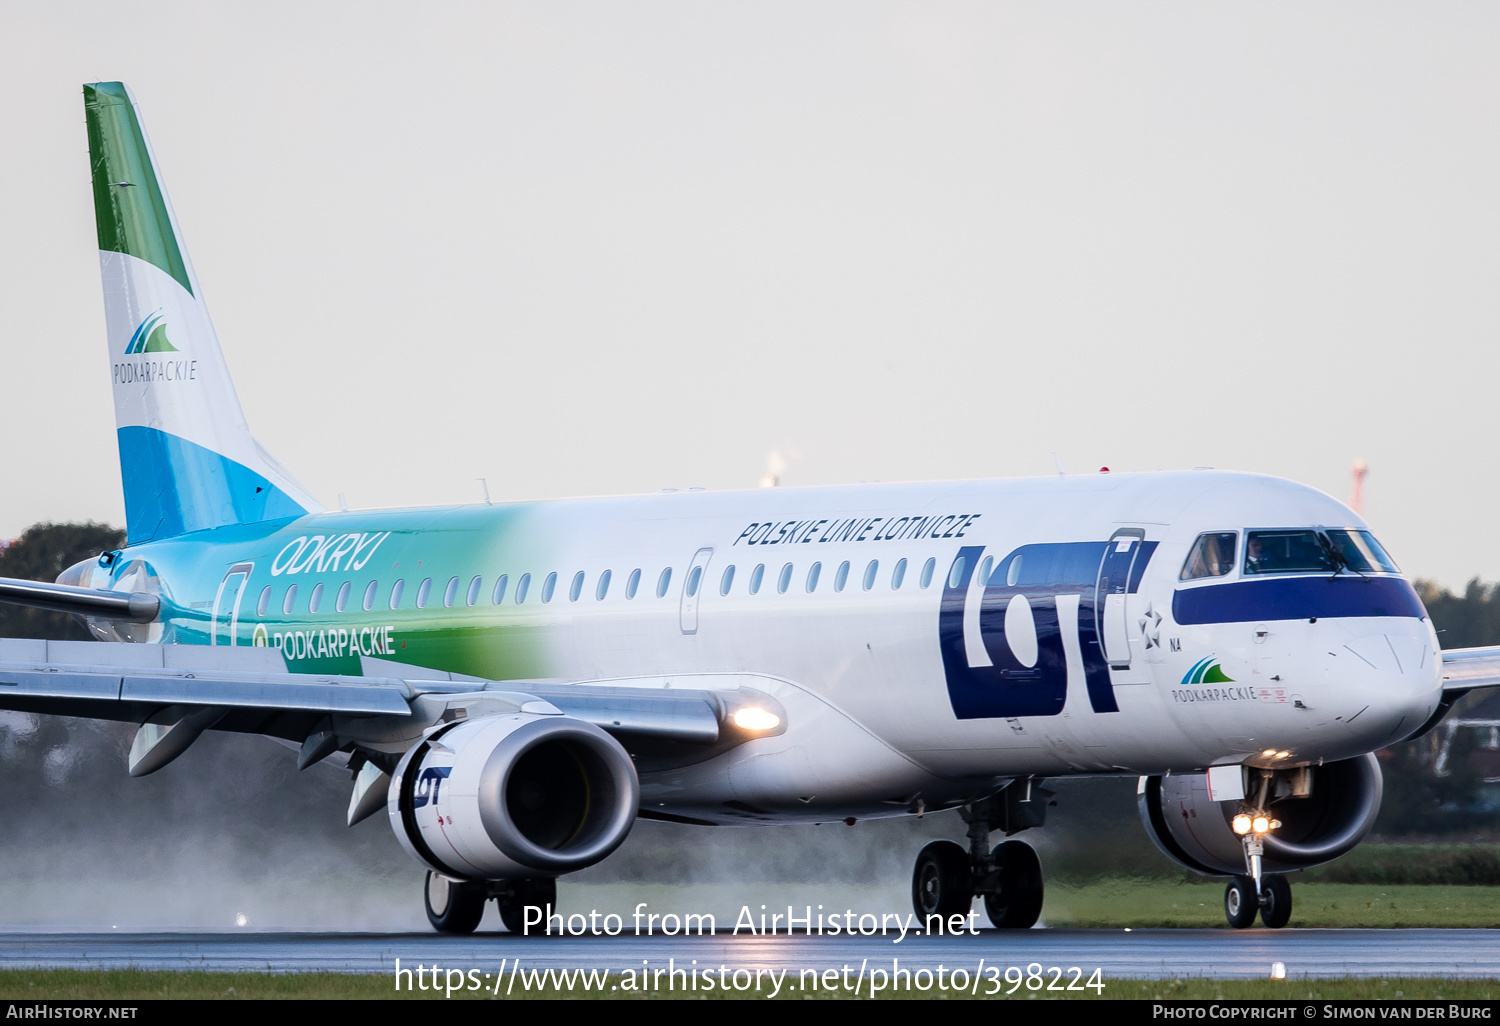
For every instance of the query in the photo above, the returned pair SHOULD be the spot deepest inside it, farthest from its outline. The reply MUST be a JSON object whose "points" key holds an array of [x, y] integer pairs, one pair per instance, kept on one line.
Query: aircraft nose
{"points": [[1394, 674]]}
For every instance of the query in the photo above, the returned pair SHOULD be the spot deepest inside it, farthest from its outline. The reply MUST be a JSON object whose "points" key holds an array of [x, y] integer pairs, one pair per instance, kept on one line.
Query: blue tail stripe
{"points": [[173, 486]]}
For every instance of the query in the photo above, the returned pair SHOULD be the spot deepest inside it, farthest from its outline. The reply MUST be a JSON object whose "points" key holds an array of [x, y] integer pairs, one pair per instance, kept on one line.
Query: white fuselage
{"points": [[873, 717]]}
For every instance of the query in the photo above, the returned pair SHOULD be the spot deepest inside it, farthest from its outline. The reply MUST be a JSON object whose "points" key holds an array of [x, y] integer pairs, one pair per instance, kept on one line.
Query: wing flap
{"points": [[48, 675]]}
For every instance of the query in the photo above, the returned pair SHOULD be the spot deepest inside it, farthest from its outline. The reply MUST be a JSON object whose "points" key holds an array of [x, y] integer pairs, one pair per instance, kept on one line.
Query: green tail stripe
{"points": [[157, 342], [131, 218]]}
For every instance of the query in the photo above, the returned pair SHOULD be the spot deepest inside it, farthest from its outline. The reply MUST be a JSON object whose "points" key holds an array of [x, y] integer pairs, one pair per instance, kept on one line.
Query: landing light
{"points": [[755, 718], [1260, 825], [1242, 824]]}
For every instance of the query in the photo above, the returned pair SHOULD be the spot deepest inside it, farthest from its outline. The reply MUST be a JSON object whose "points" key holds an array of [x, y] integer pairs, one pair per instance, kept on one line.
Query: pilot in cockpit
{"points": [[1255, 557]]}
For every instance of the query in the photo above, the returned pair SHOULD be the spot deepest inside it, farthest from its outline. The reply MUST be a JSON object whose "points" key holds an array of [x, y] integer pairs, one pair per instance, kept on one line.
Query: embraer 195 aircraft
{"points": [[515, 684]]}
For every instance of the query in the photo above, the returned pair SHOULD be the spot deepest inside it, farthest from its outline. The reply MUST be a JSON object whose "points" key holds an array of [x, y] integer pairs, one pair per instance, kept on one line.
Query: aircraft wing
{"points": [[253, 692], [1467, 668]]}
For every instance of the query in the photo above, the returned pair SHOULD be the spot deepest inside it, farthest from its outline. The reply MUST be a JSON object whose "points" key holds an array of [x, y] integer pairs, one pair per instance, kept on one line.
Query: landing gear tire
{"points": [[942, 883], [1240, 902], [453, 907], [1276, 901], [1016, 904], [539, 892]]}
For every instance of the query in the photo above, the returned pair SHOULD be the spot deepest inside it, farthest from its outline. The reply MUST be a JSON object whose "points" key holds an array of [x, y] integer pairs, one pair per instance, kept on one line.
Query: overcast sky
{"points": [[595, 248]]}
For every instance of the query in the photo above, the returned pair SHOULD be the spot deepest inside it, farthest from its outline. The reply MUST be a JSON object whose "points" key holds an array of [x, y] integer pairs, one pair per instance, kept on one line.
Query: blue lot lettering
{"points": [[428, 784], [1041, 574]]}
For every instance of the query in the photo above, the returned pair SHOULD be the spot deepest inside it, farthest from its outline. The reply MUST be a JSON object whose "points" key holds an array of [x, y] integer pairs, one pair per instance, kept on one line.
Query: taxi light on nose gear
{"points": [[1242, 824], [754, 718], [1260, 825]]}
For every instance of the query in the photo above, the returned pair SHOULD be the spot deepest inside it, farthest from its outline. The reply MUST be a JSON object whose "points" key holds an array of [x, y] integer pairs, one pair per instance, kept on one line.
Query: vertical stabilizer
{"points": [[187, 458]]}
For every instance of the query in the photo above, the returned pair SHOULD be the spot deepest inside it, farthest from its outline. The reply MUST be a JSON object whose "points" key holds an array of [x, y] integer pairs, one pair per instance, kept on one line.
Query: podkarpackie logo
{"points": [[1207, 671], [150, 337]]}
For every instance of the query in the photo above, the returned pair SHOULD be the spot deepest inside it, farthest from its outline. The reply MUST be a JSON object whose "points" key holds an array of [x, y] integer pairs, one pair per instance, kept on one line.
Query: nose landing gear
{"points": [[1008, 877], [1274, 903], [1266, 893]]}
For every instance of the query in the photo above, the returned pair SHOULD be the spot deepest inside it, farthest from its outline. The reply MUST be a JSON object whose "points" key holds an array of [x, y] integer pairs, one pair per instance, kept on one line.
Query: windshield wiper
{"points": [[1340, 564]]}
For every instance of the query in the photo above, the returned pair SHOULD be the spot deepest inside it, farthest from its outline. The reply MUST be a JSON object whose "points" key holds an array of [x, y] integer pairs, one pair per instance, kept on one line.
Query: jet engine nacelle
{"points": [[1196, 833], [515, 795]]}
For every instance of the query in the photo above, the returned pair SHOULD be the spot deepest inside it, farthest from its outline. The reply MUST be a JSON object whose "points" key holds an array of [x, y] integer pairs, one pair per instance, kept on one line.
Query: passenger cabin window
{"points": [[423, 590], [692, 582], [370, 590], [898, 575], [870, 572], [396, 590], [1013, 571], [576, 588], [342, 602], [498, 595], [841, 576], [290, 600], [522, 587], [927, 569], [812, 577], [1212, 555], [756, 576], [663, 582], [474, 587], [548, 586], [957, 573], [265, 600], [984, 571], [785, 580], [451, 592], [316, 600], [633, 583], [603, 588], [727, 581]]}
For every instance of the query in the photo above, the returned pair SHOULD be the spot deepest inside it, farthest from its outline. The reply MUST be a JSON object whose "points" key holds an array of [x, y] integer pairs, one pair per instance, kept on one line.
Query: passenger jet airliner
{"points": [[515, 684]]}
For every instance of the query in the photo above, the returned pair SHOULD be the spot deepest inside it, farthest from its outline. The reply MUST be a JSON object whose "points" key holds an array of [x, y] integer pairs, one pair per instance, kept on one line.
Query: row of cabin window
{"points": [[575, 590]]}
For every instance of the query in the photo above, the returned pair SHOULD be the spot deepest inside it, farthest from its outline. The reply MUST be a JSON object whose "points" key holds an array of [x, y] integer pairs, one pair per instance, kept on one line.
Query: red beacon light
{"points": [[1104, 470]]}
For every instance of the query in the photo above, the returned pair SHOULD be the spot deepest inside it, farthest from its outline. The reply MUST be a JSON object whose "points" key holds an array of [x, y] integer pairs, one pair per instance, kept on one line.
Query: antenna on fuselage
{"points": [[1060, 471], [485, 486]]}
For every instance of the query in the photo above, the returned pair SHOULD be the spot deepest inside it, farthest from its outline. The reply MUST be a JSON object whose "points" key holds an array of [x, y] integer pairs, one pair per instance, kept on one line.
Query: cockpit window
{"points": [[1319, 551], [1286, 552], [1212, 556], [1361, 552]]}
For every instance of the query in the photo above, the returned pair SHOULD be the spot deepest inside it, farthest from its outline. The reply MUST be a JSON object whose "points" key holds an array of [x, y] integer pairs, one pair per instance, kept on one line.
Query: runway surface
{"points": [[1117, 953]]}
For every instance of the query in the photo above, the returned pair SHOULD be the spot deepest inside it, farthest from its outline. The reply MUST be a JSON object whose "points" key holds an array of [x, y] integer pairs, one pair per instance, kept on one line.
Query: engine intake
{"points": [[516, 795], [1195, 832]]}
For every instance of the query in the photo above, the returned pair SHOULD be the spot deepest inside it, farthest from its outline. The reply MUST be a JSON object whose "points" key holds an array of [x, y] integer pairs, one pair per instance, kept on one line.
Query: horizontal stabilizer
{"points": [[113, 605]]}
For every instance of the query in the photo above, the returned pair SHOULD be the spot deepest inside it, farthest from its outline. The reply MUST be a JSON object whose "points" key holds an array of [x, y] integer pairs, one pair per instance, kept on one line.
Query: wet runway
{"points": [[1117, 953]]}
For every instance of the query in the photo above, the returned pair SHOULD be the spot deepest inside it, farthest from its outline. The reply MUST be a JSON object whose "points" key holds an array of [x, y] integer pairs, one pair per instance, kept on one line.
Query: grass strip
{"points": [[1161, 903]]}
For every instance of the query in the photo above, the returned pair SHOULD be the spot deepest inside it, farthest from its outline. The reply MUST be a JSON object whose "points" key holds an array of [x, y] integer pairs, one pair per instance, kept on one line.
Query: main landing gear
{"points": [[457, 907], [1008, 877]]}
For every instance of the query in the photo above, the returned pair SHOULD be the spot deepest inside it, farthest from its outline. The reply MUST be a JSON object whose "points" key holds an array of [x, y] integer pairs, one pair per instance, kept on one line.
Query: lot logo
{"points": [[1206, 671], [150, 337], [1009, 629]]}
